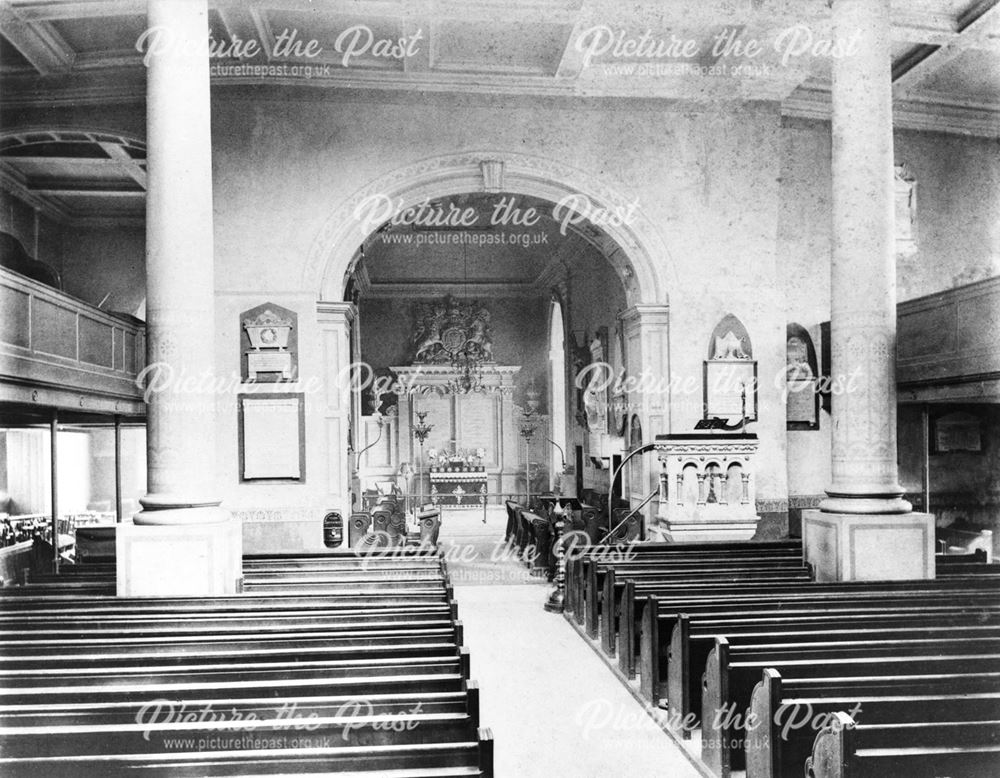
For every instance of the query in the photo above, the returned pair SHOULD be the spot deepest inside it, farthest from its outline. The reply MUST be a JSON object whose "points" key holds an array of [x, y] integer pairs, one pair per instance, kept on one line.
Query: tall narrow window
{"points": [[557, 384]]}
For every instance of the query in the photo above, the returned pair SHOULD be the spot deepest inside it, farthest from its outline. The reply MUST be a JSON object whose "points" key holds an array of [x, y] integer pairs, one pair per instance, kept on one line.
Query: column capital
{"points": [[646, 313], [336, 312]]}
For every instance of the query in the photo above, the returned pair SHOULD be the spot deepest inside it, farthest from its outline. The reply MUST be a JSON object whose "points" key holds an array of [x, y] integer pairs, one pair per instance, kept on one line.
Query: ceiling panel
{"points": [[358, 37], [101, 34], [975, 74], [11, 58], [521, 48]]}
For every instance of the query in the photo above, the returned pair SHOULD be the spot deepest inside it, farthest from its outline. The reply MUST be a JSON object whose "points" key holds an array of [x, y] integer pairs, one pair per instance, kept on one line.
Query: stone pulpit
{"points": [[707, 489]]}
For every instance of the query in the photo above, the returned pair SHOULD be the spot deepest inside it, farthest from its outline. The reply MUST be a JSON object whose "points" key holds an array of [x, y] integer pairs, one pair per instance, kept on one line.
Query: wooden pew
{"points": [[580, 558], [732, 672], [960, 749], [511, 530], [387, 632], [352, 725], [603, 612], [459, 697], [539, 535], [473, 757], [694, 637], [660, 612], [785, 716]]}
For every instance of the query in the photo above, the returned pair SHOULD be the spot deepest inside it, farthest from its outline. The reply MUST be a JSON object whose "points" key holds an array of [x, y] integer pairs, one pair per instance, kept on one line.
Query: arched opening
{"points": [[630, 240], [604, 259], [466, 306]]}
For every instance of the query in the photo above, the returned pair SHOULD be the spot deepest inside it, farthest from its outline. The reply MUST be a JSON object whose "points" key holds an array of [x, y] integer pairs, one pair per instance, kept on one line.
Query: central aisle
{"points": [[554, 708]]}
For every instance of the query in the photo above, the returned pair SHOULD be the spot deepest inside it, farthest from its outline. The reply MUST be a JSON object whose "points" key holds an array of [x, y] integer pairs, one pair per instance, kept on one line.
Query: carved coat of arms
{"points": [[443, 329]]}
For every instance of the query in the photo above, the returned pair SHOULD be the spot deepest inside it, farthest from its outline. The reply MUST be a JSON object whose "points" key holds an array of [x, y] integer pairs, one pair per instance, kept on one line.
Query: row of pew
{"points": [[326, 664], [532, 533], [385, 524], [779, 675]]}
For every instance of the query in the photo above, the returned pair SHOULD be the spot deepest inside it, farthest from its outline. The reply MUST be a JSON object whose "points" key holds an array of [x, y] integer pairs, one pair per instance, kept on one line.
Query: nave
{"points": [[719, 659], [340, 664], [764, 671]]}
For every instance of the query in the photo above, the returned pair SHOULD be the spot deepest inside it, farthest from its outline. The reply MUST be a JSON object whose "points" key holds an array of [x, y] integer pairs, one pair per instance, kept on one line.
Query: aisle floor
{"points": [[555, 709]]}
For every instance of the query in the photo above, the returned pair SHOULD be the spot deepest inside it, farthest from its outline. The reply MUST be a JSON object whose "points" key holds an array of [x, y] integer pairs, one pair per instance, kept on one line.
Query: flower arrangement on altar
{"points": [[459, 460]]}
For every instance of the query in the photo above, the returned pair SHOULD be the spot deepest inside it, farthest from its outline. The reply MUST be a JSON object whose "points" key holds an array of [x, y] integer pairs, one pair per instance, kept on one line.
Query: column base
{"points": [[702, 530], [869, 547], [179, 560]]}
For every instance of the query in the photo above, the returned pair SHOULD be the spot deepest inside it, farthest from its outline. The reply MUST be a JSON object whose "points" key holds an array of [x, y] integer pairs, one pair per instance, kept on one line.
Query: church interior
{"points": [[539, 387]]}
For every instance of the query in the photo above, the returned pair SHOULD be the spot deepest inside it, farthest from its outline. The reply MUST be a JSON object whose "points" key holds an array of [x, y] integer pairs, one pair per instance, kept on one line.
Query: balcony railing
{"points": [[58, 351], [948, 344]]}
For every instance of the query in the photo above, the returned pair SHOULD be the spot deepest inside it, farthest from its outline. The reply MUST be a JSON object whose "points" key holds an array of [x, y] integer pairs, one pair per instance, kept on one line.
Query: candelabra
{"points": [[556, 601], [421, 430], [528, 427]]}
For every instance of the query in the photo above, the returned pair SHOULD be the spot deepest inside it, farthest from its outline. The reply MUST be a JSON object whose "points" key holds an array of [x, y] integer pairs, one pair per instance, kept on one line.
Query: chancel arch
{"points": [[628, 238], [511, 272]]}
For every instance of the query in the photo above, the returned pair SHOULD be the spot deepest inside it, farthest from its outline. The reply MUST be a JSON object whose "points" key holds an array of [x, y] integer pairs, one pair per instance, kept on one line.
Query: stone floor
{"points": [[554, 708]]}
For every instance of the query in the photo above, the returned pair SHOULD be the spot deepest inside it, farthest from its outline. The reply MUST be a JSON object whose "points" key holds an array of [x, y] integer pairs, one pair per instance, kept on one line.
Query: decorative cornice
{"points": [[922, 113], [419, 289]]}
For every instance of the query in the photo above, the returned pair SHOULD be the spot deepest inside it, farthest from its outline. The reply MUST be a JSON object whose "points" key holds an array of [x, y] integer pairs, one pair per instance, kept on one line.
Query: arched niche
{"points": [[730, 340], [730, 373], [801, 373]]}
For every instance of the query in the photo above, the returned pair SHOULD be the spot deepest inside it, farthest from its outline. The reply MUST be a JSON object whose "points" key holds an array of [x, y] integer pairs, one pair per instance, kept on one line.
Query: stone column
{"points": [[864, 530], [647, 350], [181, 542], [335, 319]]}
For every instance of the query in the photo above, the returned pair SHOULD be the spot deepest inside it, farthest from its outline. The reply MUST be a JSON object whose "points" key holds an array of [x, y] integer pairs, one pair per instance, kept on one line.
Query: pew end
{"points": [[486, 752], [593, 601], [626, 631], [472, 701], [832, 747], [763, 752], [715, 721], [679, 670], [649, 651], [608, 617]]}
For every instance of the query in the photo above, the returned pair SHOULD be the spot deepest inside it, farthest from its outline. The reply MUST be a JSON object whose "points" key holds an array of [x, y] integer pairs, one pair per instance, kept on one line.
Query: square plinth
{"points": [[179, 560], [869, 547]]}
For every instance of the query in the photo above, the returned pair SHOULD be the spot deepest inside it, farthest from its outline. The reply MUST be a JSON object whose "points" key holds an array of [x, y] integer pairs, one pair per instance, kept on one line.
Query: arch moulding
{"points": [[634, 248]]}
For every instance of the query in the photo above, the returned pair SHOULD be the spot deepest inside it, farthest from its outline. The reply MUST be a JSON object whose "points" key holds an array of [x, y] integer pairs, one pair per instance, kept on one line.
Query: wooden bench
{"points": [[603, 611], [461, 696], [660, 612], [694, 637], [382, 642], [732, 672], [708, 555], [960, 749], [785, 716], [472, 757]]}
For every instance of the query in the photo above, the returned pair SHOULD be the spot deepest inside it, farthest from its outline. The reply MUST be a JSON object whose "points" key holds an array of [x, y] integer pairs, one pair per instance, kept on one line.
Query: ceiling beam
{"points": [[244, 22], [38, 42], [422, 60], [978, 28], [13, 182], [45, 10], [75, 189], [571, 61], [129, 166]]}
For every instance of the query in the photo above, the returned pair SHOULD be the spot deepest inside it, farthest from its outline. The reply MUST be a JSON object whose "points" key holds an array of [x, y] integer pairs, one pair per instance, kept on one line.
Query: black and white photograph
{"points": [[500, 388]]}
